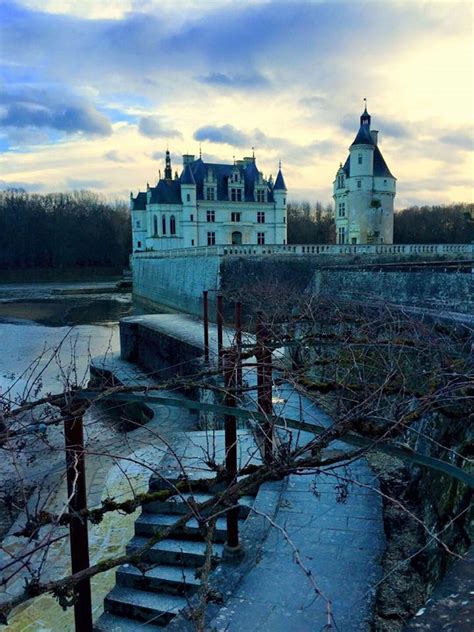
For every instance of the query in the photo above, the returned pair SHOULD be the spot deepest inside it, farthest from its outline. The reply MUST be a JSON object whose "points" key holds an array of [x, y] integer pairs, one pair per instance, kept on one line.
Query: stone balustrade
{"points": [[431, 250]]}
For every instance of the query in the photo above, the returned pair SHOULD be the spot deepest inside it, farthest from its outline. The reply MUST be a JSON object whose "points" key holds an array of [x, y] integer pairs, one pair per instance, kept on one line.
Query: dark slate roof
{"points": [[187, 175], [279, 182], [380, 166], [364, 137], [222, 173], [195, 172], [166, 192], [139, 203]]}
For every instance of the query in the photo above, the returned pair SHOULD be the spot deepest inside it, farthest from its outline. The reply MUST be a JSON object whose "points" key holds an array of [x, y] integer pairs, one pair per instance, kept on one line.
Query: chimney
{"points": [[375, 136], [187, 158]]}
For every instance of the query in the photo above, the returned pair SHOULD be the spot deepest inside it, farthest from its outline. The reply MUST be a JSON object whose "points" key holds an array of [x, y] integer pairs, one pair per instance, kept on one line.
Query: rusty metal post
{"points": [[238, 342], [264, 384], [76, 489], [205, 318], [232, 515], [220, 329]]}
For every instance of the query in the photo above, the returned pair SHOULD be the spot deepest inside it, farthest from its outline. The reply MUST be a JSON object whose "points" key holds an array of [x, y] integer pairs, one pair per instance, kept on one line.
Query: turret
{"points": [[188, 187], [362, 149], [279, 195]]}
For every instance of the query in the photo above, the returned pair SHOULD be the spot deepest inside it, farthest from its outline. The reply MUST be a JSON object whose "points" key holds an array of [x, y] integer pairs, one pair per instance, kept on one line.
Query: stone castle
{"points": [[212, 204]]}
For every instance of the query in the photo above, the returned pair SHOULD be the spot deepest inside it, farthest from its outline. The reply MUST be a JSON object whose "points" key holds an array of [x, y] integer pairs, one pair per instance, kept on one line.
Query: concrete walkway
{"points": [[321, 560]]}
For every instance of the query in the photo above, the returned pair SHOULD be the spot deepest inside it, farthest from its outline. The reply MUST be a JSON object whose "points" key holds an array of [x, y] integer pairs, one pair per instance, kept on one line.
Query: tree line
{"points": [[437, 224], [59, 230]]}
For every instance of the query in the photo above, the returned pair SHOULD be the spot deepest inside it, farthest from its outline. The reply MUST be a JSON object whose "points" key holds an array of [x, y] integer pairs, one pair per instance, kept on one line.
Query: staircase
{"points": [[169, 575]]}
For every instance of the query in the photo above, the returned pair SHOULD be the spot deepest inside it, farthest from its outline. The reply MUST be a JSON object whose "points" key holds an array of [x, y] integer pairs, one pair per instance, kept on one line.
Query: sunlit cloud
{"points": [[97, 90]]}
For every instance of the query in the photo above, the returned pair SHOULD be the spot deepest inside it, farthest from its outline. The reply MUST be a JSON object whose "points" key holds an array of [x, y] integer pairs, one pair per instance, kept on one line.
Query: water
{"points": [[49, 333]]}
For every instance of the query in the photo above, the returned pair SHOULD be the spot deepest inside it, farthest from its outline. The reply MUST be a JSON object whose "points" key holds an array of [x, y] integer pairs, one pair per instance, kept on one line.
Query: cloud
{"points": [[386, 126], [224, 134], [79, 184], [114, 156], [26, 186], [255, 81], [154, 127], [41, 109], [462, 138]]}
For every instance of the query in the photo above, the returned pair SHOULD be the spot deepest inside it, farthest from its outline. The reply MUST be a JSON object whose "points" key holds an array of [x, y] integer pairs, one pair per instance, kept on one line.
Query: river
{"points": [[49, 332]]}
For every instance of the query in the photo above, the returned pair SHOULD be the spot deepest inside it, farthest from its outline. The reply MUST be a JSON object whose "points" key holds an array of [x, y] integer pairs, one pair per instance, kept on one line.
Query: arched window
{"points": [[172, 225], [155, 225], [163, 225]]}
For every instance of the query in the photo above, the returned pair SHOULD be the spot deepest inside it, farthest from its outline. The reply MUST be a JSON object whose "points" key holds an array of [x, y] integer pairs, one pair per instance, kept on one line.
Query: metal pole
{"points": [[264, 384], [220, 327], [230, 426], [238, 341], [76, 489], [206, 325]]}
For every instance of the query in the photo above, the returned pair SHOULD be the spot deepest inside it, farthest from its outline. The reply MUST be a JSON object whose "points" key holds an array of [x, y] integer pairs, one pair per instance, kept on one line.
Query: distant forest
{"points": [[444, 224], [62, 230], [82, 229]]}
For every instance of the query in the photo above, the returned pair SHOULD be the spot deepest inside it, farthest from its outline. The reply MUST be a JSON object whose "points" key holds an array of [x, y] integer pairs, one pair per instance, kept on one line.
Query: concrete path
{"points": [[321, 560]]}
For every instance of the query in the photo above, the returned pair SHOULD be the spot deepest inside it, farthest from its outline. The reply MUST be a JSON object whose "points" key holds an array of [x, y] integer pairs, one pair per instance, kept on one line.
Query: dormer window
{"points": [[261, 195], [210, 194], [236, 195]]}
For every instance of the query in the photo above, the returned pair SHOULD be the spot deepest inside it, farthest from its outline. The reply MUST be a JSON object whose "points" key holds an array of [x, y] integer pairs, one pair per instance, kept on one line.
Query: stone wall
{"points": [[177, 283]]}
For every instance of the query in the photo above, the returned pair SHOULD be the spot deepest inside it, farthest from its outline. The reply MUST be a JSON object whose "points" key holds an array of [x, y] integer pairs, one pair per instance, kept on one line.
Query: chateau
{"points": [[364, 192], [210, 204]]}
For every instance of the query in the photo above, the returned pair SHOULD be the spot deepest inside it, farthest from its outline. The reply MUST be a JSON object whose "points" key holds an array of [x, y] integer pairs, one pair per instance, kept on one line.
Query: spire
{"points": [[253, 153], [365, 118], [200, 151], [187, 176], [168, 171], [279, 182]]}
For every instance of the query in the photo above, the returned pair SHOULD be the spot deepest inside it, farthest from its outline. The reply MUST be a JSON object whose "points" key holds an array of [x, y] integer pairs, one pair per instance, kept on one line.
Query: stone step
{"points": [[155, 608], [175, 552], [179, 504], [177, 580], [148, 524], [113, 623]]}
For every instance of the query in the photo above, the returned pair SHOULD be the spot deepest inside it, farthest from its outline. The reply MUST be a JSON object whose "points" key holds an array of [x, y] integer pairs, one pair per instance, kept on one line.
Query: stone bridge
{"points": [[427, 276]]}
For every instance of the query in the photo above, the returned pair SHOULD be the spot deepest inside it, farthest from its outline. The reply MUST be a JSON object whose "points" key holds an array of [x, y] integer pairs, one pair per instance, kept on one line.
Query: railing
{"points": [[311, 249]]}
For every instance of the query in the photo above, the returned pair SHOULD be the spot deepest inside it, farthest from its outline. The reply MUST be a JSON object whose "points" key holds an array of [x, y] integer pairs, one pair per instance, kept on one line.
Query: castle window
{"points": [[192, 242], [236, 195], [359, 159], [260, 195], [163, 224], [340, 181], [209, 193], [139, 244], [284, 201], [191, 218], [235, 217], [261, 217], [342, 209], [261, 239], [211, 216], [138, 224], [385, 182], [359, 184], [341, 235], [172, 225], [211, 239], [155, 225], [188, 197]]}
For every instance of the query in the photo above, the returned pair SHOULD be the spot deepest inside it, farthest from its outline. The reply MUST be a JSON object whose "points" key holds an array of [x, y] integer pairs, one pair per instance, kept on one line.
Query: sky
{"points": [[92, 92]]}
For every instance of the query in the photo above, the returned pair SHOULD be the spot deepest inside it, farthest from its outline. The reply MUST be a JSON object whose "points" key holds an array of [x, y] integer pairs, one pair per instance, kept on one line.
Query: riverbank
{"points": [[64, 275]]}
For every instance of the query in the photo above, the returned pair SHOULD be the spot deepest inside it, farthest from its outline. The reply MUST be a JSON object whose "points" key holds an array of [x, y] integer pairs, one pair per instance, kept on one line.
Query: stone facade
{"points": [[364, 192], [209, 204]]}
